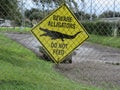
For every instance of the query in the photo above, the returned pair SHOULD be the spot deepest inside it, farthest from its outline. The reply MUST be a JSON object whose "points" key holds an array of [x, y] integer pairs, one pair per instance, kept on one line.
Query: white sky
{"points": [[98, 6]]}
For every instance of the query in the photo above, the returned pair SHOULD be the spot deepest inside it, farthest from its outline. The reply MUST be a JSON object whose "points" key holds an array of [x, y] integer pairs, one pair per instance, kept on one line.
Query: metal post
{"points": [[43, 7], [115, 22], [91, 11], [23, 17], [114, 9]]}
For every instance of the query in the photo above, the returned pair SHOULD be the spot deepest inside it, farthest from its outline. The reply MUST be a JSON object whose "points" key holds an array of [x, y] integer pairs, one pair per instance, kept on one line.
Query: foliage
{"points": [[29, 12], [118, 28], [9, 10], [28, 24], [58, 2], [83, 16], [15, 29], [108, 14], [105, 40], [99, 28], [34, 14]]}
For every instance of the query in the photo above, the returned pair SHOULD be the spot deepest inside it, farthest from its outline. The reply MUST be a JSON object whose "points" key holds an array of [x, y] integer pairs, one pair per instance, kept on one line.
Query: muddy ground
{"points": [[93, 64], [92, 73]]}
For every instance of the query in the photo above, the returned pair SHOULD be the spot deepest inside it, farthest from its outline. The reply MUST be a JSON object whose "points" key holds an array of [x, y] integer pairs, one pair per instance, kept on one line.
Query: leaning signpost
{"points": [[60, 33]]}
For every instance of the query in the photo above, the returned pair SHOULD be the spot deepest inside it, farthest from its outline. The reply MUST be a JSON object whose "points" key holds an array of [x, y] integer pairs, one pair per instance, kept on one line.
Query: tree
{"points": [[108, 14], [57, 2], [71, 3], [34, 14], [85, 16], [8, 9], [29, 12]]}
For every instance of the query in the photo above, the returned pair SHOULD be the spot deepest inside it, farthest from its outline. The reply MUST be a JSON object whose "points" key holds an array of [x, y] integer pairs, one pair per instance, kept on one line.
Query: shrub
{"points": [[99, 28], [118, 25]]}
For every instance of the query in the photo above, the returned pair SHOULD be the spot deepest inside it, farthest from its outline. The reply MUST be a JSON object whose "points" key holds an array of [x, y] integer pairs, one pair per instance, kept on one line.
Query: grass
{"points": [[20, 69], [15, 29], [104, 40]]}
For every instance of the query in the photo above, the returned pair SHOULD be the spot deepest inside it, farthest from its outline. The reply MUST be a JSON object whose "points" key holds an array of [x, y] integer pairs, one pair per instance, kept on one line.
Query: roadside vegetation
{"points": [[15, 29], [20, 69], [105, 40]]}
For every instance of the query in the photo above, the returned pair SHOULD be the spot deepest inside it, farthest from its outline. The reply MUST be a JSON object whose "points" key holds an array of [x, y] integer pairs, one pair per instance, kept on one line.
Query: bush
{"points": [[118, 25], [99, 28], [28, 24]]}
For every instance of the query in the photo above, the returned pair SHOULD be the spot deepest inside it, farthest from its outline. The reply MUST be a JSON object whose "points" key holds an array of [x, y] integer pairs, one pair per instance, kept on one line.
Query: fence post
{"points": [[115, 30]]}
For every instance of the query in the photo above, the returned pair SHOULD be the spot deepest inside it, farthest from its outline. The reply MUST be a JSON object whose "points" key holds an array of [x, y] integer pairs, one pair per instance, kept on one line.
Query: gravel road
{"points": [[93, 64]]}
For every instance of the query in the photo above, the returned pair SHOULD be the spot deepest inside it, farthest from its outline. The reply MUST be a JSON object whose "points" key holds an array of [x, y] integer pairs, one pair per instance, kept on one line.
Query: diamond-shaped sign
{"points": [[60, 33]]}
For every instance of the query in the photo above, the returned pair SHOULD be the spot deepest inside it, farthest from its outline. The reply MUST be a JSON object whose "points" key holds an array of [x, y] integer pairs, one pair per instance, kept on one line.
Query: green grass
{"points": [[104, 40], [20, 69], [14, 29]]}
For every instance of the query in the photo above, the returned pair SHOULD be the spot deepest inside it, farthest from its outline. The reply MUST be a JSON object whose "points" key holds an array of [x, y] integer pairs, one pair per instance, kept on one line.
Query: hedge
{"points": [[99, 28]]}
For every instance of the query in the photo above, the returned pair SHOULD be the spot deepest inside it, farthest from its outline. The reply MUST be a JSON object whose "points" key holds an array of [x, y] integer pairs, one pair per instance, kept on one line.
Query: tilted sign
{"points": [[60, 33]]}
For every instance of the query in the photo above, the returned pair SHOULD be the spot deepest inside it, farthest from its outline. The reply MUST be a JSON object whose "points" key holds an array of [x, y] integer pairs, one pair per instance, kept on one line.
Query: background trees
{"points": [[34, 14], [14, 10], [58, 2], [9, 9], [108, 14]]}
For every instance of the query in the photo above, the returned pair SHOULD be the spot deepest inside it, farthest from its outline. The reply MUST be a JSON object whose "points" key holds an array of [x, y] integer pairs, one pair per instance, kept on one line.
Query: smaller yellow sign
{"points": [[60, 33]]}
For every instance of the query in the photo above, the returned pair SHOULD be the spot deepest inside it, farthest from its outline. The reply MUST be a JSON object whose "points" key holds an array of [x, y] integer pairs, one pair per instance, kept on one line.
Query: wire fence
{"points": [[100, 18]]}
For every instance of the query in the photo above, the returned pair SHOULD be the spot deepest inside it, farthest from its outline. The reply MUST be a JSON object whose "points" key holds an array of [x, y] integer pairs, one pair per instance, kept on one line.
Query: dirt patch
{"points": [[92, 73]]}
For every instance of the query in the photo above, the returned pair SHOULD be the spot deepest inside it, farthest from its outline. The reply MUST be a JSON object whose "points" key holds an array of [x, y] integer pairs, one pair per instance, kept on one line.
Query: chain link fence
{"points": [[100, 18]]}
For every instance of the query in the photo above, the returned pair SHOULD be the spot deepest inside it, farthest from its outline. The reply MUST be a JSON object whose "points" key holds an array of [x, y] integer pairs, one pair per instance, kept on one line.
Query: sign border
{"points": [[51, 56]]}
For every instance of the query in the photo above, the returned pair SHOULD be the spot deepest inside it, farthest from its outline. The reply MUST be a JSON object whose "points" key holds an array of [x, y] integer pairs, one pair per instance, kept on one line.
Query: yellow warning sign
{"points": [[60, 33]]}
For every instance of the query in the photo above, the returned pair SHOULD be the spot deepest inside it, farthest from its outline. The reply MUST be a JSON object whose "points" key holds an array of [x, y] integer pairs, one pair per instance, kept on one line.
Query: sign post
{"points": [[60, 33]]}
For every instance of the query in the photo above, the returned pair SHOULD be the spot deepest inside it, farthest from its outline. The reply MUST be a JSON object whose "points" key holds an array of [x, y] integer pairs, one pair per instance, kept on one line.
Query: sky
{"points": [[98, 6]]}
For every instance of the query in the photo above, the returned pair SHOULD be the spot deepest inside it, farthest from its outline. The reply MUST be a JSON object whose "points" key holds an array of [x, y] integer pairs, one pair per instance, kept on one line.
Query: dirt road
{"points": [[93, 64]]}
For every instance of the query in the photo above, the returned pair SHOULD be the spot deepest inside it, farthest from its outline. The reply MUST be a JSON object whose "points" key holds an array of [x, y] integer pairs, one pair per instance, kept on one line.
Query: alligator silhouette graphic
{"points": [[58, 35]]}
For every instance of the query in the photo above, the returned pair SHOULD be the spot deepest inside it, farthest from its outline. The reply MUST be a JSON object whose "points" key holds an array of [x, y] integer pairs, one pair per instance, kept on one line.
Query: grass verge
{"points": [[104, 40], [20, 69], [15, 29]]}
